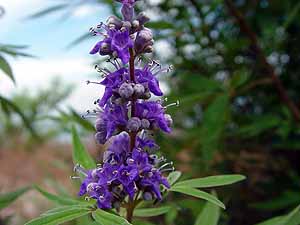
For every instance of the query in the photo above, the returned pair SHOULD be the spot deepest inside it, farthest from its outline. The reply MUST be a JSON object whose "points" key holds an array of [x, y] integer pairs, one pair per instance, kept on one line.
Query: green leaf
{"points": [[173, 177], [209, 215], [59, 199], [293, 218], [4, 102], [8, 198], [78, 40], [214, 121], [211, 181], [105, 218], [60, 215], [5, 67], [160, 25], [151, 211], [80, 154], [48, 11], [198, 194]]}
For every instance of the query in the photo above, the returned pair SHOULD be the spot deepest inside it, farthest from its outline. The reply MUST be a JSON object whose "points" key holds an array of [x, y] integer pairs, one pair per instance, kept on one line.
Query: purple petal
{"points": [[96, 48]]}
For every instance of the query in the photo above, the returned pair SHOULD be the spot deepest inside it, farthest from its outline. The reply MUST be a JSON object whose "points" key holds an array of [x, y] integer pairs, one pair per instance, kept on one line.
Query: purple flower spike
{"points": [[125, 117]]}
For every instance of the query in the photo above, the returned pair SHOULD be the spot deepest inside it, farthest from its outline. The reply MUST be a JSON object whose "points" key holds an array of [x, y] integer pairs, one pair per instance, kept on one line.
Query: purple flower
{"points": [[112, 82], [154, 112], [121, 42], [152, 181], [118, 149], [112, 118], [115, 41], [145, 76]]}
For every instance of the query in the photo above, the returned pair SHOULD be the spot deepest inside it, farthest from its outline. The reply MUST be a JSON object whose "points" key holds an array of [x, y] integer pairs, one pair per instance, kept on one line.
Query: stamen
{"points": [[74, 177], [168, 170], [91, 82], [79, 169], [87, 198], [177, 103], [165, 165]]}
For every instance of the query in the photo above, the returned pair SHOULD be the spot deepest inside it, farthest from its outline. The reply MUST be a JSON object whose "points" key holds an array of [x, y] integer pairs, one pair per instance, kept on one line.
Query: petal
{"points": [[107, 94], [154, 87], [96, 48]]}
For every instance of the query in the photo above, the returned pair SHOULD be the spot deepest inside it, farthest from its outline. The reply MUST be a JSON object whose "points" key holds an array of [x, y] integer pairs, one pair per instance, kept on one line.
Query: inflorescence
{"points": [[126, 116]]}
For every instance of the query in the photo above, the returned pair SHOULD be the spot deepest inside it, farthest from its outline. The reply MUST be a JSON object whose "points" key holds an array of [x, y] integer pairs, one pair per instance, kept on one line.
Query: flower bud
{"points": [[139, 90], [168, 119], [105, 49], [143, 18], [134, 124], [145, 123], [144, 40], [100, 137], [127, 12], [114, 22], [147, 95], [135, 24], [126, 90], [147, 196]]}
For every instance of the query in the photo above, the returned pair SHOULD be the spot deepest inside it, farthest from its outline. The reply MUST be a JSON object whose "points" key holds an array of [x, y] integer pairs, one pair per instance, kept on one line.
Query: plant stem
{"points": [[130, 210], [133, 101]]}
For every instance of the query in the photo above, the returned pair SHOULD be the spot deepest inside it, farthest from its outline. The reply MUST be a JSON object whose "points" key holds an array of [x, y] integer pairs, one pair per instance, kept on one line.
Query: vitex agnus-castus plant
{"points": [[133, 169]]}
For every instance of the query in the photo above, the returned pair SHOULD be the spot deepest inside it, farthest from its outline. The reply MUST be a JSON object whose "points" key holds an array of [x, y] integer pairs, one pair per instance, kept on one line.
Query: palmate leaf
{"points": [[105, 218], [173, 177], [61, 200], [61, 215], [8, 198], [80, 154], [209, 215], [211, 181], [5, 67], [198, 194], [293, 218], [151, 211]]}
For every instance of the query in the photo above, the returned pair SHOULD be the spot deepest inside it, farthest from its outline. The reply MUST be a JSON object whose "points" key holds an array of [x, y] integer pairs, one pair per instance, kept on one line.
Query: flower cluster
{"points": [[126, 116]]}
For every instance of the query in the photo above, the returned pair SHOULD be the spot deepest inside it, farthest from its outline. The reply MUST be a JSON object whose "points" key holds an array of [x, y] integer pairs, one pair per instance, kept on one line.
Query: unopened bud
{"points": [[115, 21], [142, 18], [126, 90], [147, 196], [134, 124], [139, 90], [145, 123]]}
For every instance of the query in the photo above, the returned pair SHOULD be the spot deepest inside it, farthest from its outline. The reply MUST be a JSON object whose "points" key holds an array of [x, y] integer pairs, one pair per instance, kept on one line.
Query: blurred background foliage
{"points": [[236, 75]]}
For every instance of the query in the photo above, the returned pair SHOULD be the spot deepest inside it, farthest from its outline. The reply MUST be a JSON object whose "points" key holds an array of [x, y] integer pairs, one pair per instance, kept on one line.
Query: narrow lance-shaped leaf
{"points": [[80, 154], [8, 198], [9, 104], [198, 194], [59, 199], [173, 177], [105, 218], [62, 215], [47, 11], [209, 215], [211, 181], [151, 211], [292, 218], [5, 67]]}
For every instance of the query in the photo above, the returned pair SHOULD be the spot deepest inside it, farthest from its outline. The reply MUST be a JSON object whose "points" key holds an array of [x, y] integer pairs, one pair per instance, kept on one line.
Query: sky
{"points": [[47, 39]]}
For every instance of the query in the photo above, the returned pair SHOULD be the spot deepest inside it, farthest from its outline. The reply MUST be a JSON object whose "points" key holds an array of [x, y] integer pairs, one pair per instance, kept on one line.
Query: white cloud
{"points": [[34, 74]]}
